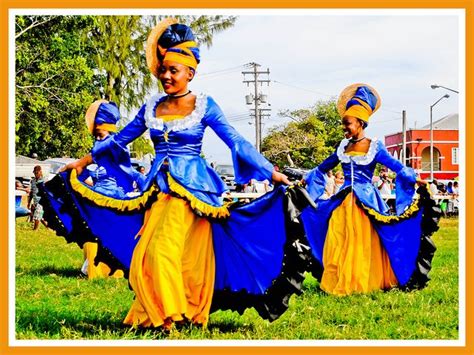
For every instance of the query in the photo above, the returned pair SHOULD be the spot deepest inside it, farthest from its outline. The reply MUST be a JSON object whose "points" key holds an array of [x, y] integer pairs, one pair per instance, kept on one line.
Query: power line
{"points": [[300, 88], [222, 71]]}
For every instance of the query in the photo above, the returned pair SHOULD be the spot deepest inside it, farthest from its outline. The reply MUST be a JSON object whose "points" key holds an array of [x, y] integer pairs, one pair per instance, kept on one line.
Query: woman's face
{"points": [[100, 134], [174, 77], [351, 126]]}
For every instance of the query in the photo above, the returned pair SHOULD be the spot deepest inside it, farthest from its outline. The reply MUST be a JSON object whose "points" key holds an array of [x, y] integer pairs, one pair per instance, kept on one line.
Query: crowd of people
{"points": [[186, 252]]}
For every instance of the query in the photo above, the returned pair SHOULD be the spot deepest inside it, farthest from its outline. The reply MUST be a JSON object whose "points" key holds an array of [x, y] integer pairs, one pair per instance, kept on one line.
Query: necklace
{"points": [[179, 96], [356, 140]]}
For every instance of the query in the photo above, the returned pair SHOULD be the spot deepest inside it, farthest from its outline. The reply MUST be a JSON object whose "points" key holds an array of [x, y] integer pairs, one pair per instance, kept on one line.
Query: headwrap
{"points": [[169, 40], [358, 100], [102, 114]]}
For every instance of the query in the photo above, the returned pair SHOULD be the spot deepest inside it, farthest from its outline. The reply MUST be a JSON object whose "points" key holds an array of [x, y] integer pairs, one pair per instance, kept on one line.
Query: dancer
{"points": [[182, 248], [360, 246]]}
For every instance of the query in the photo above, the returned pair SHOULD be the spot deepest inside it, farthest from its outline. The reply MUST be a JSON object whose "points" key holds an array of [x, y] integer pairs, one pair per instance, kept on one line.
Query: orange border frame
{"points": [[467, 5]]}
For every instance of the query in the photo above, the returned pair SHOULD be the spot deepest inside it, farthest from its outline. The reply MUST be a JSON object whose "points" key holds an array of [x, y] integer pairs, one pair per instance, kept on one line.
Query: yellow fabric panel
{"points": [[173, 267], [354, 153], [167, 118], [101, 270], [353, 257]]}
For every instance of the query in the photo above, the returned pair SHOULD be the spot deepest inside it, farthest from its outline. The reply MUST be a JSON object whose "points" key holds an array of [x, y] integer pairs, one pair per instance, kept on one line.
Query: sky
{"points": [[313, 55]]}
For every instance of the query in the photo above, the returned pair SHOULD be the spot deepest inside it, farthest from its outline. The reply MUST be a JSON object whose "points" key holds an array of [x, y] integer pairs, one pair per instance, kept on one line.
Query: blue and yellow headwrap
{"points": [[172, 41], [102, 114], [358, 100]]}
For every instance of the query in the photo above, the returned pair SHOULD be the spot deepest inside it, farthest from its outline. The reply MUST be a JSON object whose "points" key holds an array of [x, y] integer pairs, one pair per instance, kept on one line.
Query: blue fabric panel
{"points": [[401, 240], [249, 245], [115, 230], [316, 221]]}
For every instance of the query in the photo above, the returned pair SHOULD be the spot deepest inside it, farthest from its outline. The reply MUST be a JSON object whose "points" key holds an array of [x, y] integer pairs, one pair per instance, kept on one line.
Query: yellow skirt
{"points": [[354, 259], [173, 267], [101, 270]]}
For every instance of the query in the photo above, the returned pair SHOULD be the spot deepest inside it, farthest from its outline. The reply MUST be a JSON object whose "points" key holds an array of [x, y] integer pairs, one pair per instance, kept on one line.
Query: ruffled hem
{"points": [[429, 225], [200, 207], [132, 204], [297, 257]]}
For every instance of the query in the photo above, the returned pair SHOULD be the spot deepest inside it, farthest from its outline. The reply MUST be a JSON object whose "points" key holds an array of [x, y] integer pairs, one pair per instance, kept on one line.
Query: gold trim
{"points": [[133, 204], [414, 207], [196, 204]]}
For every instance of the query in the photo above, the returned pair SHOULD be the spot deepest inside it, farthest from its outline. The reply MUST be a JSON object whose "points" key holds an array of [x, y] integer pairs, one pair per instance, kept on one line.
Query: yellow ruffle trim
{"points": [[196, 204], [414, 207], [132, 204]]}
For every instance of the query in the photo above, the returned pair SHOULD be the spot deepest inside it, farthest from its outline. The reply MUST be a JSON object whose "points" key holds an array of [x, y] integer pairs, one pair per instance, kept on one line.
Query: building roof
{"points": [[450, 121], [21, 159]]}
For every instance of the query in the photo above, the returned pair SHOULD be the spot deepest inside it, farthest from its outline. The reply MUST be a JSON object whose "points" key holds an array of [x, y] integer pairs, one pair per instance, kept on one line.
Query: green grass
{"points": [[53, 301]]}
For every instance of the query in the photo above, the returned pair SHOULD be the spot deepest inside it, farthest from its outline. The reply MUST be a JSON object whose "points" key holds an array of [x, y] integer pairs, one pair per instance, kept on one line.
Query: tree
{"points": [[64, 63], [53, 86], [306, 141], [119, 53]]}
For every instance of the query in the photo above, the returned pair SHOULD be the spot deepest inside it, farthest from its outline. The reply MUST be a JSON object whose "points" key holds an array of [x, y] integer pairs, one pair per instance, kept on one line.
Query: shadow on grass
{"points": [[50, 270]]}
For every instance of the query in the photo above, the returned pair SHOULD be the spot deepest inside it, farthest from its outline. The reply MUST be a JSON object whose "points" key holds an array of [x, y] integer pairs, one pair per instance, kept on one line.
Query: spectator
{"points": [[434, 187], [384, 184], [338, 181], [33, 198], [330, 185], [449, 188]]}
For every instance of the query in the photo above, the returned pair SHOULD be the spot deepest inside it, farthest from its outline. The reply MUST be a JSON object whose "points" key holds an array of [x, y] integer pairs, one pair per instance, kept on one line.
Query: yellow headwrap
{"points": [[185, 59]]}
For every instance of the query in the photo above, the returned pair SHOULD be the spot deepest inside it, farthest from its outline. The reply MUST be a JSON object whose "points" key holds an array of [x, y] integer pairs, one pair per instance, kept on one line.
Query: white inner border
{"points": [[260, 343]]}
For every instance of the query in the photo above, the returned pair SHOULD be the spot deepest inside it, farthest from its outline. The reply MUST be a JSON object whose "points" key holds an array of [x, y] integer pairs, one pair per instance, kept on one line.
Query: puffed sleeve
{"points": [[316, 178], [248, 163], [404, 182], [121, 139]]}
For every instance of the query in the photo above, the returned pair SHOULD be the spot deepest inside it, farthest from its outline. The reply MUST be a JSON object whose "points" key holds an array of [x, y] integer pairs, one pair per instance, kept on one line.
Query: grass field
{"points": [[53, 301]]}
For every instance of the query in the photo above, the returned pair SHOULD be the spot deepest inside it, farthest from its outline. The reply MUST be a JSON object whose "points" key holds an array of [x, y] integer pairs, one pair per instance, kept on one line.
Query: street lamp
{"points": [[444, 87], [431, 134]]}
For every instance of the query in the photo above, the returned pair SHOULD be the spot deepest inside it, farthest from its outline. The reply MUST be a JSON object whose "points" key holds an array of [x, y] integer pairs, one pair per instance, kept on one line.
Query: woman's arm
{"points": [[248, 163]]}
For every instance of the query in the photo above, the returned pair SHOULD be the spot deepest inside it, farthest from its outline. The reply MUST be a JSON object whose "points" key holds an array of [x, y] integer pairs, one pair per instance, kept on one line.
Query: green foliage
{"points": [[53, 85], [53, 301], [308, 140], [64, 63]]}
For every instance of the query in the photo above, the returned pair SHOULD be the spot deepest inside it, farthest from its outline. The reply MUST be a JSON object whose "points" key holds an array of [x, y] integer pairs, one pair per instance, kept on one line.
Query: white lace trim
{"points": [[150, 119], [358, 159], [178, 124]]}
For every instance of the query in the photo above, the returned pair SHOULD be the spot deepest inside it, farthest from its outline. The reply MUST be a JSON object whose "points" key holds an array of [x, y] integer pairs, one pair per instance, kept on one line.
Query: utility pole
{"points": [[257, 98], [404, 137]]}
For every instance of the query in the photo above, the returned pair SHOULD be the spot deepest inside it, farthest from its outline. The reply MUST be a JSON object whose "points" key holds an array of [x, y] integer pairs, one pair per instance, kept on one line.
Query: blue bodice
{"points": [[178, 146], [358, 172]]}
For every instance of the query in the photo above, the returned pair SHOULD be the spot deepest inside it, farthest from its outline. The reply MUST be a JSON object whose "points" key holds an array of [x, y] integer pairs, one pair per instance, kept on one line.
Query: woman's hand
{"points": [[278, 177]]}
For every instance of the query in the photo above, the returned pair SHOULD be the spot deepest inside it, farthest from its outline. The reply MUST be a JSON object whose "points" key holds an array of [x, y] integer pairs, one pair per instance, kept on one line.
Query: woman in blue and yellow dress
{"points": [[184, 251], [111, 175], [357, 243]]}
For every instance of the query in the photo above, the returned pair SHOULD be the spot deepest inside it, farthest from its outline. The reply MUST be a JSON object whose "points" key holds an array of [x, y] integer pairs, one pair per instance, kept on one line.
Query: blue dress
{"points": [[404, 236], [258, 261]]}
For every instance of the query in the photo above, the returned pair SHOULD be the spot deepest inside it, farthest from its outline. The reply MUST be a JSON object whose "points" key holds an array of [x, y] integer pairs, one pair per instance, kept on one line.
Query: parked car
{"points": [[24, 168], [56, 164], [227, 174]]}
